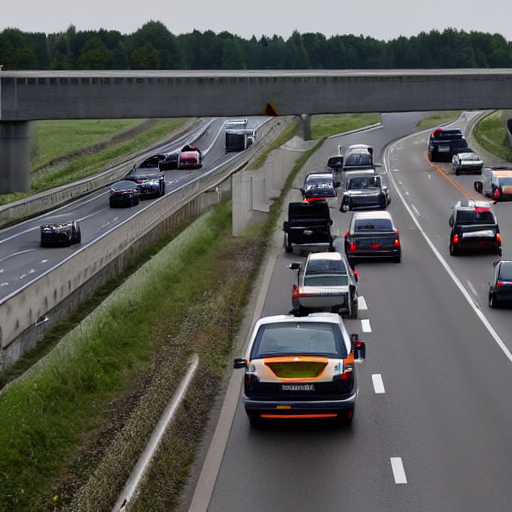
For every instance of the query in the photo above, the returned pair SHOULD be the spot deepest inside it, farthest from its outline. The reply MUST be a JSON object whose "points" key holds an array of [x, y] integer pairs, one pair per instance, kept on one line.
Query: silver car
{"points": [[468, 162]]}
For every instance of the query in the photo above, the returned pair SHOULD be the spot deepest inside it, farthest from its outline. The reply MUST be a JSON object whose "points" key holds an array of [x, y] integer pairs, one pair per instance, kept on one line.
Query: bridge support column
{"points": [[15, 146], [305, 126]]}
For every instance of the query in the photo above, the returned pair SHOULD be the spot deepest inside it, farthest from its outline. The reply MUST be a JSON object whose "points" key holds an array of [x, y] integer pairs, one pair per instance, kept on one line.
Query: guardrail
{"points": [[26, 313]]}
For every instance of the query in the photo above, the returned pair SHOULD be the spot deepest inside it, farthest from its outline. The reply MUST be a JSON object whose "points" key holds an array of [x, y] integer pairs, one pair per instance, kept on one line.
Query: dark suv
{"points": [[474, 228], [308, 227], [443, 144]]}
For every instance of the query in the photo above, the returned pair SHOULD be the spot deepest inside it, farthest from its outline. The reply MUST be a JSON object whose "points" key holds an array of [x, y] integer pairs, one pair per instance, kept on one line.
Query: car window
{"points": [[475, 217], [362, 225], [299, 338], [506, 271], [322, 266], [330, 280], [359, 159], [503, 182]]}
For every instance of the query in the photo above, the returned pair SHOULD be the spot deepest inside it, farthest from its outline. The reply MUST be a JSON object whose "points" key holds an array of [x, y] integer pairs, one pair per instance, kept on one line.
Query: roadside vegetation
{"points": [[438, 119], [491, 134], [327, 125]]}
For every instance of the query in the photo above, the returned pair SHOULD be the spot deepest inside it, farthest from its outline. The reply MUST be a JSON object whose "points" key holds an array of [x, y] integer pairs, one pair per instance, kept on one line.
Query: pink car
{"points": [[189, 158]]}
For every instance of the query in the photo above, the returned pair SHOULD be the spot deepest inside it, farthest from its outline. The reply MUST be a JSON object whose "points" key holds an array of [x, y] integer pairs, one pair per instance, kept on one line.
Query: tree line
{"points": [[153, 46]]}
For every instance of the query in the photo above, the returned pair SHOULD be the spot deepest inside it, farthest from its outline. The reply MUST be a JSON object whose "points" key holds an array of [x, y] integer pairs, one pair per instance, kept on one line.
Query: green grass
{"points": [[491, 134], [55, 139], [438, 119], [332, 124]]}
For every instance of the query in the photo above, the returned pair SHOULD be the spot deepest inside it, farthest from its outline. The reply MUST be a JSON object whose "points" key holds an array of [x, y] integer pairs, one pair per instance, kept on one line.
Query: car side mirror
{"points": [[450, 221], [286, 225], [478, 186], [240, 363], [295, 266]]}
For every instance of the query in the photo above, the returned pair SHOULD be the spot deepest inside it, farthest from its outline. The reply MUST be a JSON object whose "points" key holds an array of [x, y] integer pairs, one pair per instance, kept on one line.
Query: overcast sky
{"points": [[380, 19]]}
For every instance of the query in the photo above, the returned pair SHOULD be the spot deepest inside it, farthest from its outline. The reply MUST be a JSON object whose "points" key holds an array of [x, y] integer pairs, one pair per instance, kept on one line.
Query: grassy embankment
{"points": [[73, 426], [438, 119], [65, 151], [491, 134]]}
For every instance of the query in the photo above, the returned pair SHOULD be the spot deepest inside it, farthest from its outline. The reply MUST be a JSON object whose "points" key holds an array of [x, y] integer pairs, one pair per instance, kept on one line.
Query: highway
{"points": [[22, 260], [432, 428]]}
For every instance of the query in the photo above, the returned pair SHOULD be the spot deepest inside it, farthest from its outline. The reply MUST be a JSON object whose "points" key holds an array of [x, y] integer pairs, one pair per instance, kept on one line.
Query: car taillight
{"points": [[397, 242], [498, 238], [353, 246], [347, 373], [499, 284], [455, 239], [346, 234], [295, 292], [496, 192]]}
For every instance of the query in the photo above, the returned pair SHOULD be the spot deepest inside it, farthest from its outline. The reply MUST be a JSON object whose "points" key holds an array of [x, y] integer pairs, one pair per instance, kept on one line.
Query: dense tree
{"points": [[154, 47], [94, 55], [16, 50]]}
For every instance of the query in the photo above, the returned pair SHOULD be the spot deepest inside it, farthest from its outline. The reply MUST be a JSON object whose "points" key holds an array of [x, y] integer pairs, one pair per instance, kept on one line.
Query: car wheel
{"points": [[287, 246], [492, 300], [397, 258], [457, 172], [354, 309], [255, 421], [453, 252], [344, 207], [345, 418]]}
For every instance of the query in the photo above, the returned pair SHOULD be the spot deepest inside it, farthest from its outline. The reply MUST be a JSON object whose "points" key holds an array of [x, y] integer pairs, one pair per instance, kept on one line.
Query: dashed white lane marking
{"points": [[361, 303], [416, 210], [365, 324], [398, 470], [378, 384]]}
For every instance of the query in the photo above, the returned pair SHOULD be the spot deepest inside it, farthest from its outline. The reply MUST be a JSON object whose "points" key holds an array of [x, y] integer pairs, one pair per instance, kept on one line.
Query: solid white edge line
{"points": [[124, 501], [398, 470], [455, 279], [378, 384], [365, 325], [210, 470]]}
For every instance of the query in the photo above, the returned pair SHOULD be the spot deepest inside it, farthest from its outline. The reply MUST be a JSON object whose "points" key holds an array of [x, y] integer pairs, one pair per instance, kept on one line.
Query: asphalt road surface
{"points": [[432, 429]]}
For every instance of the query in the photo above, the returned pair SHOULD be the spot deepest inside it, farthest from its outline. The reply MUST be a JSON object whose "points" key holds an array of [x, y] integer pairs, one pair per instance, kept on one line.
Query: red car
{"points": [[190, 158]]}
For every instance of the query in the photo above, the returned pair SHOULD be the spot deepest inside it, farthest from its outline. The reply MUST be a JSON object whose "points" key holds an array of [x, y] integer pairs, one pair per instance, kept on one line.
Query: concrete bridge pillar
{"points": [[305, 127], [15, 146]]}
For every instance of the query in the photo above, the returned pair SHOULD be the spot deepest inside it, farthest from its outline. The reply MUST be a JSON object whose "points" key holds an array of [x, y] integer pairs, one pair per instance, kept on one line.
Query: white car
{"points": [[325, 283]]}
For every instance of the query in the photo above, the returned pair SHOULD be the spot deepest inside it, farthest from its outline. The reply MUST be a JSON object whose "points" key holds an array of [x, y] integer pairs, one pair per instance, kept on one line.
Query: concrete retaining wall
{"points": [[255, 190]]}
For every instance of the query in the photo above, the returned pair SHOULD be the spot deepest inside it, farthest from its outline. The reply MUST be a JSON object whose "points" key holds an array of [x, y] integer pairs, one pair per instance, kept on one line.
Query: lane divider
{"points": [[378, 384], [398, 470]]}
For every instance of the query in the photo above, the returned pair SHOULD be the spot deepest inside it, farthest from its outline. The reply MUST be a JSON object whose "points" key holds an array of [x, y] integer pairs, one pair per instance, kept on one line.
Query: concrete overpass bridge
{"points": [[26, 96]]}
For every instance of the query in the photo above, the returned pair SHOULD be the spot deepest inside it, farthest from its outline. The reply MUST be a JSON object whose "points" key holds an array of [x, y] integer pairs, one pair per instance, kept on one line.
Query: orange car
{"points": [[301, 367]]}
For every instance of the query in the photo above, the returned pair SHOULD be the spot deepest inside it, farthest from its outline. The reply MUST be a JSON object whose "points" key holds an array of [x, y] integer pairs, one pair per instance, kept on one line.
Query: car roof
{"points": [[323, 317], [502, 173], [471, 204], [334, 256], [372, 215]]}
